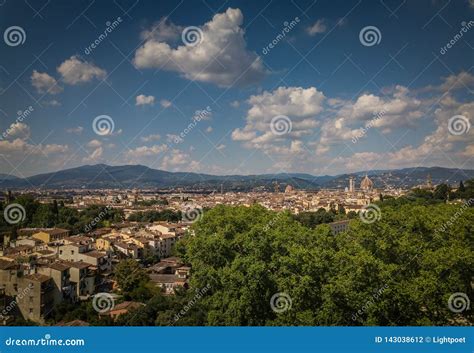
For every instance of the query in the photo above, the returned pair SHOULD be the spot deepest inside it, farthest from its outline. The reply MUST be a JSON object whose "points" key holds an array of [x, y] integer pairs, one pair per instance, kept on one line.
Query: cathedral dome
{"points": [[366, 183]]}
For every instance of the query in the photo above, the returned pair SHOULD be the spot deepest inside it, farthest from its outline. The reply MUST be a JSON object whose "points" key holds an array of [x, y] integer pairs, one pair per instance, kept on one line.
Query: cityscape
{"points": [[236, 163]]}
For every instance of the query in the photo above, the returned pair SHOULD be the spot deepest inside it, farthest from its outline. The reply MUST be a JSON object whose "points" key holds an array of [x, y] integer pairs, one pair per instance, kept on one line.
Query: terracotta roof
{"points": [[74, 323]]}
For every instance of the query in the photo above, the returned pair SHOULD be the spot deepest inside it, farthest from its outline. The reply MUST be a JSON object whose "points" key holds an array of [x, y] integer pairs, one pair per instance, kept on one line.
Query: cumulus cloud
{"points": [[19, 130], [318, 27], [45, 83], [221, 57], [94, 144], [150, 138], [298, 104], [145, 151], [162, 31], [144, 100], [74, 71]]}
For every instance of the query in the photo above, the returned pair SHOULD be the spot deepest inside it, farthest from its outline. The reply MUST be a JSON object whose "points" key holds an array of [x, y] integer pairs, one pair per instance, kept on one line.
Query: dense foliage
{"points": [[154, 216], [400, 270], [58, 215]]}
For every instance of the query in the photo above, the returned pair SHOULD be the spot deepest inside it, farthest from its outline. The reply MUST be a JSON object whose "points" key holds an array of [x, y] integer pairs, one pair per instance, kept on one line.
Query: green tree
{"points": [[129, 275]]}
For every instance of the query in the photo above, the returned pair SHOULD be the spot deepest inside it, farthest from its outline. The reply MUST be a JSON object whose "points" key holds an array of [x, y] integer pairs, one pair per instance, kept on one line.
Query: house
{"points": [[48, 235], [83, 277], [170, 274], [123, 308], [37, 299], [59, 273], [339, 226]]}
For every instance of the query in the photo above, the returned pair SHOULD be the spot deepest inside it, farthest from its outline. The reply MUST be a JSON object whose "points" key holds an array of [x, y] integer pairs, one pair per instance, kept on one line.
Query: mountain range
{"points": [[101, 176]]}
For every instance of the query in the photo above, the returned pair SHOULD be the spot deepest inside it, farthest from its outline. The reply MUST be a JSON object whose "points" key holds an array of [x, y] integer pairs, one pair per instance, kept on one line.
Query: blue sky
{"points": [[322, 99]]}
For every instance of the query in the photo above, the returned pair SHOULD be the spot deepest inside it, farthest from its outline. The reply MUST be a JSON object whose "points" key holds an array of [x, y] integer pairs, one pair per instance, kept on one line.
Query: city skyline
{"points": [[237, 88]]}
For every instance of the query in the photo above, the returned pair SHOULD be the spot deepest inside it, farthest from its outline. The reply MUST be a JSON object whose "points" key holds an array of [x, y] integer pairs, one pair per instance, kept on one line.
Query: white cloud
{"points": [[75, 71], [144, 100], [45, 83], [95, 156], [220, 58], [318, 27], [19, 130], [209, 129], [162, 31], [300, 105], [150, 138], [75, 130], [235, 104], [94, 144], [165, 103], [145, 151]]}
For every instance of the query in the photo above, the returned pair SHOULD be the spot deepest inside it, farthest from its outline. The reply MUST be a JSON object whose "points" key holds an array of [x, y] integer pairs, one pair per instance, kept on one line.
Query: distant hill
{"points": [[138, 176]]}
